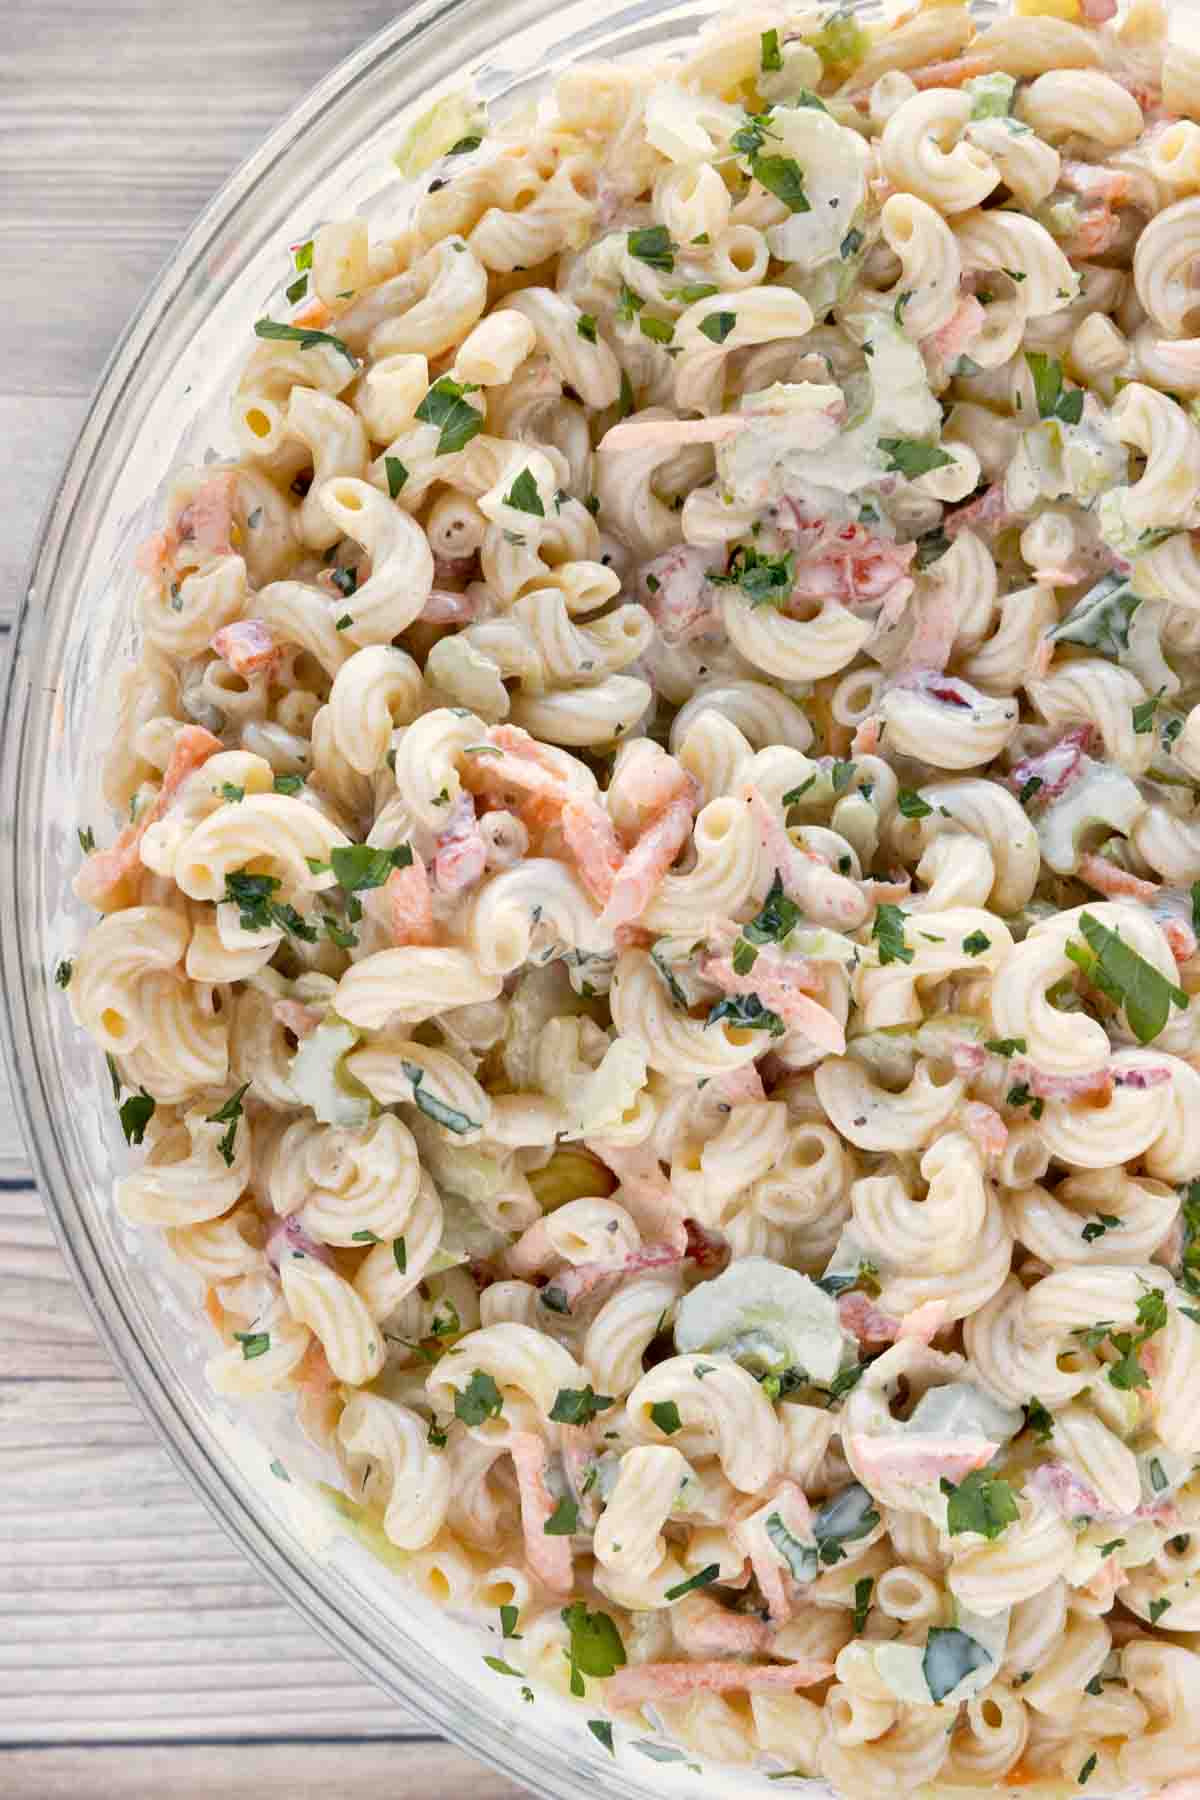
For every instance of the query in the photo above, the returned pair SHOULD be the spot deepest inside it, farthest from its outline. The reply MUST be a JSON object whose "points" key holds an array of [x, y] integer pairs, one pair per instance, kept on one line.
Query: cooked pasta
{"points": [[652, 946]]}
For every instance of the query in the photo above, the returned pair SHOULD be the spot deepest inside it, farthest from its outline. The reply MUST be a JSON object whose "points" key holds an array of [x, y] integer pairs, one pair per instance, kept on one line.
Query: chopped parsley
{"points": [[397, 475], [911, 805], [705, 1578], [718, 325], [433, 1108], [770, 58], [578, 1406], [1111, 965], [254, 1343], [479, 1400], [652, 245], [228, 1114], [585, 325], [911, 458], [665, 1415], [602, 1731], [765, 580], [1039, 1420], [446, 407], [258, 911], [862, 1602], [659, 331], [304, 335], [135, 1115], [976, 943], [781, 176], [1096, 1228], [1053, 400], [851, 244], [746, 1012], [981, 1503], [563, 1519], [887, 929], [1143, 714], [523, 496], [596, 1649], [63, 972]]}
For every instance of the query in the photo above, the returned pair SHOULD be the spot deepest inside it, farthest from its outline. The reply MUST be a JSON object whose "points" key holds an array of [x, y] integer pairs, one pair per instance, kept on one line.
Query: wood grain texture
{"points": [[139, 1654]]}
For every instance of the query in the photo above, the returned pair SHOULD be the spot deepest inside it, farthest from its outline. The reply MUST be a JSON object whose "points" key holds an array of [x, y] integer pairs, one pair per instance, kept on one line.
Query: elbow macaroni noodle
{"points": [[651, 945]]}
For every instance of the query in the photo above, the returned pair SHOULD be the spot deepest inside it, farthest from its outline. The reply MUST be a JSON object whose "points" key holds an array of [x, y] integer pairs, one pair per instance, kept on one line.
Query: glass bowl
{"points": [[163, 401]]}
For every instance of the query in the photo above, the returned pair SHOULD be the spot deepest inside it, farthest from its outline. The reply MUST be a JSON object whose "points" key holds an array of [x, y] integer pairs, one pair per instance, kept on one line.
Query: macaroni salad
{"points": [[652, 946]]}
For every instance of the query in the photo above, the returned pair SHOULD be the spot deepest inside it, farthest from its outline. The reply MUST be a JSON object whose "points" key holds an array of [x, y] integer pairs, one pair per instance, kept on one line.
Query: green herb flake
{"points": [[980, 1503], [862, 1603], [781, 176], [596, 1649], [718, 325], [602, 1731], [578, 1406], [396, 473], [659, 331], [87, 840], [765, 580], [481, 1399], [523, 496], [911, 458], [1039, 1420], [445, 406], [1005, 1046], [887, 929], [400, 1254], [297, 289], [135, 1115], [63, 972], [851, 244], [304, 335], [585, 325], [437, 1110], [665, 1414], [652, 245], [746, 1012], [1053, 401], [1086, 1770], [976, 943], [1111, 965], [254, 1343], [563, 1520], [1143, 714], [770, 56], [228, 1114], [911, 805], [1156, 1610], [704, 1579], [503, 1668], [1096, 1228]]}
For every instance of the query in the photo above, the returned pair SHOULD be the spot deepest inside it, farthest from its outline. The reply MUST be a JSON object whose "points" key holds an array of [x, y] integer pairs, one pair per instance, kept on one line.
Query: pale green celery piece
{"points": [[960, 1409], [991, 95], [465, 1236], [890, 398], [321, 1082], [766, 1315], [448, 121]]}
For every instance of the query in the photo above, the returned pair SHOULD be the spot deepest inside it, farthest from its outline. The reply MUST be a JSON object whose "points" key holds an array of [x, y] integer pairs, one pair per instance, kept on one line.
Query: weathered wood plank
{"points": [[384, 1770]]}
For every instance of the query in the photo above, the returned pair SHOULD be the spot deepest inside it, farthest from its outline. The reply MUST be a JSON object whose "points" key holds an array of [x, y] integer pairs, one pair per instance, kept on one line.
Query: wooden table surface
{"points": [[139, 1654]]}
